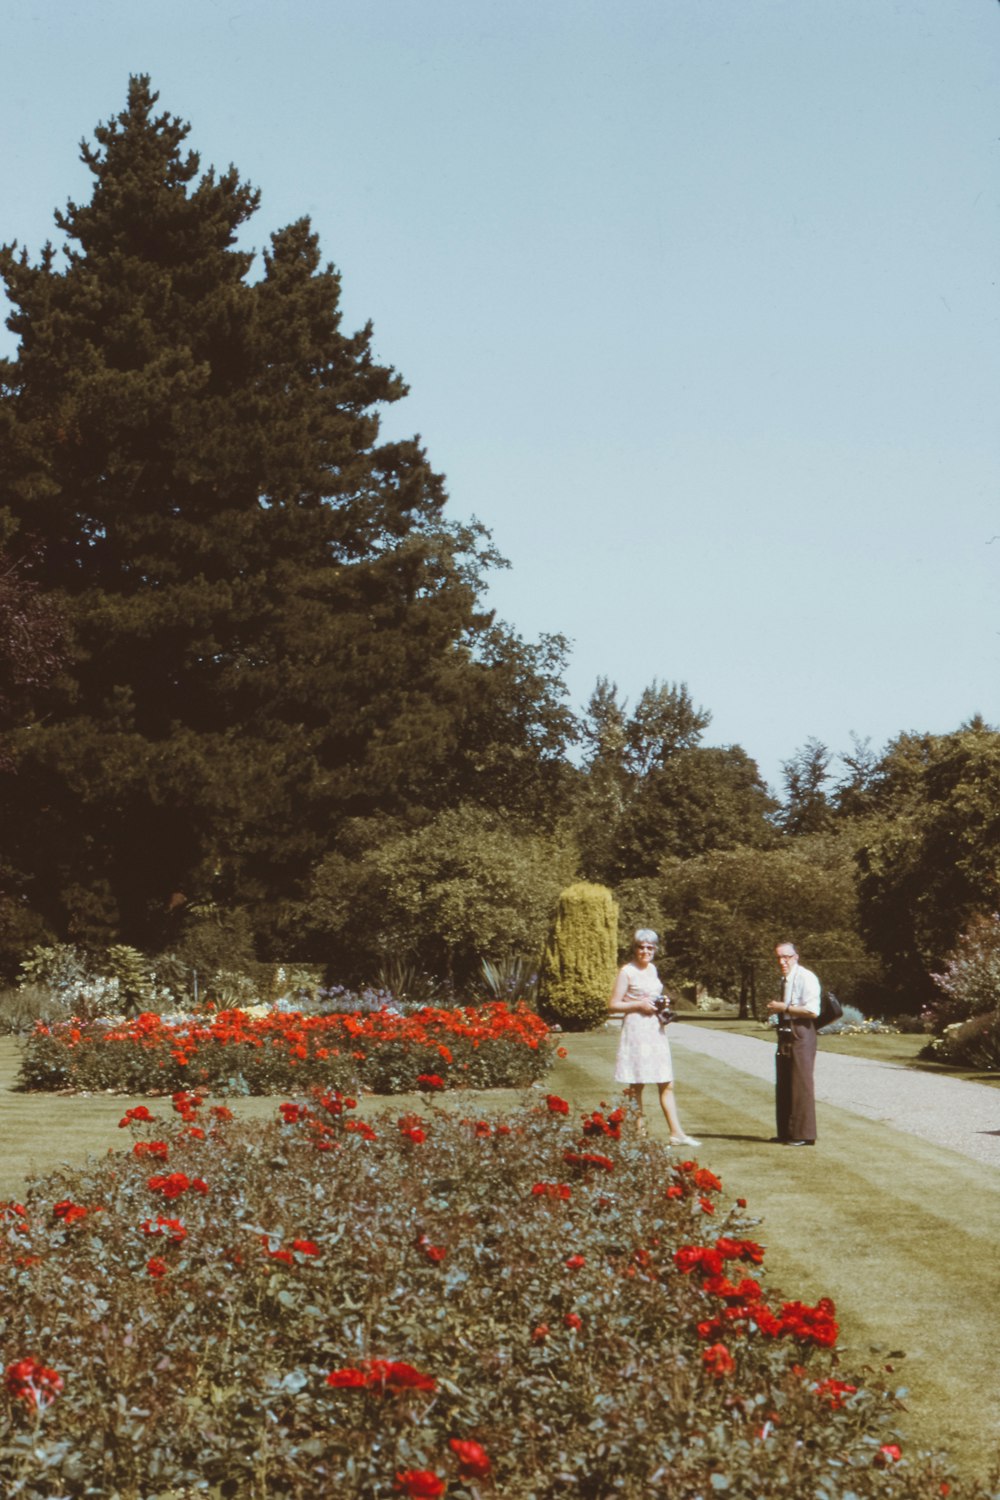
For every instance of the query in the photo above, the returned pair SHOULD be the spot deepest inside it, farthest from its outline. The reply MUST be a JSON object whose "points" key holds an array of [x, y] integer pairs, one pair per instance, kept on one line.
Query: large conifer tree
{"points": [[270, 619]]}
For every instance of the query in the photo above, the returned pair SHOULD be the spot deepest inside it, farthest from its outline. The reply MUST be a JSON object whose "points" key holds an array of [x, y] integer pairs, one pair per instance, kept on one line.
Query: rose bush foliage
{"points": [[427, 1304]]}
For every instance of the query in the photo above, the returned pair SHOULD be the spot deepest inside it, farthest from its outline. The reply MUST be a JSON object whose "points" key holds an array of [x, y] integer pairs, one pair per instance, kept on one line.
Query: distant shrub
{"points": [[911, 1025], [61, 967], [969, 1044], [23, 1006], [84, 984], [410, 984], [512, 980], [970, 980], [851, 1020], [338, 999]]}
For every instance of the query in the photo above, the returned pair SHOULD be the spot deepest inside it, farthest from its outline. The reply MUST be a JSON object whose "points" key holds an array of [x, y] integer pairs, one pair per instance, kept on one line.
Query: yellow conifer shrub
{"points": [[580, 958]]}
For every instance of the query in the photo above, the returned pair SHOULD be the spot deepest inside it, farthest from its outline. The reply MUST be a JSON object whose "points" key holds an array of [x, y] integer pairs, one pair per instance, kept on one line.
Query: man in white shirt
{"points": [[797, 1012]]}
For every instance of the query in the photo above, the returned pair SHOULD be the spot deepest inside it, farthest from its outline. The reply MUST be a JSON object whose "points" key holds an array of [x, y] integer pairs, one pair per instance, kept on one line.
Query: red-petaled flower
{"points": [[429, 1081], [588, 1159], [740, 1249], [833, 1391], [718, 1361], [186, 1103], [540, 1333], [158, 1149], [29, 1380], [305, 1247], [285, 1256], [706, 1181], [673, 1191], [686, 1257], [889, 1453], [347, 1379], [433, 1252], [156, 1267], [473, 1460], [69, 1211], [172, 1228], [572, 1320], [815, 1325], [397, 1375], [559, 1190], [766, 1321], [139, 1113], [171, 1186], [556, 1105], [575, 1262], [419, 1484]]}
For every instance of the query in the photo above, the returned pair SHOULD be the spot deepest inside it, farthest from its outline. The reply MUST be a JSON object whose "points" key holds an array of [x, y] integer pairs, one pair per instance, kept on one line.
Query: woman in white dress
{"points": [[644, 1051]]}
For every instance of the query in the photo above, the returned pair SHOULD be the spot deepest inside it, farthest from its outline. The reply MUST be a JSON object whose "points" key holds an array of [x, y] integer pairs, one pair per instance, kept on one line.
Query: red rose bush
{"points": [[421, 1306], [230, 1052]]}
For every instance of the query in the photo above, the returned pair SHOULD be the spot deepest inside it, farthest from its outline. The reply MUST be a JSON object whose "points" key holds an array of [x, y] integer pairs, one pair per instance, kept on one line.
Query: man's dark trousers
{"points": [[795, 1099]]}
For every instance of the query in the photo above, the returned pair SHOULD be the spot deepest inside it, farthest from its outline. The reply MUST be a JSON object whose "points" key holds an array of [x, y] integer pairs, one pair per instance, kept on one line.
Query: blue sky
{"points": [[697, 301]]}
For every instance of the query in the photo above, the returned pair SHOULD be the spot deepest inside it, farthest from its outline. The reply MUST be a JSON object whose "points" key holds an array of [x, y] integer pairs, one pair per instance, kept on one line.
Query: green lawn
{"points": [[902, 1234]]}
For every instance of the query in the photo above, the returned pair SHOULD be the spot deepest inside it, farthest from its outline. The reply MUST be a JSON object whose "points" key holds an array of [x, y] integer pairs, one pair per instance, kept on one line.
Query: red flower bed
{"points": [[479, 1046], [333, 1310]]}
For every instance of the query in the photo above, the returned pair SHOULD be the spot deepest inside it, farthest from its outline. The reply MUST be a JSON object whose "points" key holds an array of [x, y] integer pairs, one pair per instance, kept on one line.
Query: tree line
{"points": [[250, 693]]}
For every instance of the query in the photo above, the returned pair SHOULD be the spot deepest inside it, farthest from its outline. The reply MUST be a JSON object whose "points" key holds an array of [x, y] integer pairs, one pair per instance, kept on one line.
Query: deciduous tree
{"points": [[652, 790], [806, 807], [930, 855]]}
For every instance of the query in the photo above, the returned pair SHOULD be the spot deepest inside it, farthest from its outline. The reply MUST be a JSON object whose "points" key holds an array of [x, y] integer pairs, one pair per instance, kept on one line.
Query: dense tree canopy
{"points": [[652, 790], [468, 885], [806, 807], [930, 851], [731, 907], [272, 624], [31, 641]]}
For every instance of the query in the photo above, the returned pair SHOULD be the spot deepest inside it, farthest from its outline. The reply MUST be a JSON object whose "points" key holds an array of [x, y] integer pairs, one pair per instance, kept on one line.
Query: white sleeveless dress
{"points": [[643, 1052]]}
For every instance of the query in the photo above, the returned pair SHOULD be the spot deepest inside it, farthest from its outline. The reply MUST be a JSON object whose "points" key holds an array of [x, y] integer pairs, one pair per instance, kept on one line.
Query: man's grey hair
{"points": [[795, 951]]}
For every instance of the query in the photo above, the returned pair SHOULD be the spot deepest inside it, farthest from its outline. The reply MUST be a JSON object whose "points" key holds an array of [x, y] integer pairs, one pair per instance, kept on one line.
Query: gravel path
{"points": [[950, 1112]]}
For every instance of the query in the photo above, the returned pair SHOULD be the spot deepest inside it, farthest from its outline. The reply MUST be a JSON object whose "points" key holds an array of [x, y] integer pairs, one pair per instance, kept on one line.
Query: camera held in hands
{"points": [[664, 1008]]}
